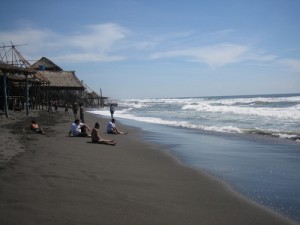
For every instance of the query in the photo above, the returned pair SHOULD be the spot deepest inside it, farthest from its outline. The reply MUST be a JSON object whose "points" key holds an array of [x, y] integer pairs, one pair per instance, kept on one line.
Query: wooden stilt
{"points": [[5, 95], [27, 95]]}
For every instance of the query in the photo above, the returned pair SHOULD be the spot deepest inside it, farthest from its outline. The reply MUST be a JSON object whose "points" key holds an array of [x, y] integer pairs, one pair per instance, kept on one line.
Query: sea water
{"points": [[250, 142]]}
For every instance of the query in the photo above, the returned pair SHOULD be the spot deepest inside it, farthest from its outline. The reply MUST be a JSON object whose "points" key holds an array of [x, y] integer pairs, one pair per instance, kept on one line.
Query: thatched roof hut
{"points": [[63, 80], [58, 79], [45, 64]]}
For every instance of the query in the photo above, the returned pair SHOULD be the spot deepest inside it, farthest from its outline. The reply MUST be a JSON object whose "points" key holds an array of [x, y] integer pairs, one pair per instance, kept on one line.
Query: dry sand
{"points": [[67, 180]]}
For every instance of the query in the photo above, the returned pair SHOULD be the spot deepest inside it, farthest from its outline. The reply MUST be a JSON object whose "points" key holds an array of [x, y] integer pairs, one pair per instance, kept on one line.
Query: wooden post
{"points": [[5, 95], [27, 95], [101, 99], [38, 96], [44, 96], [19, 95]]}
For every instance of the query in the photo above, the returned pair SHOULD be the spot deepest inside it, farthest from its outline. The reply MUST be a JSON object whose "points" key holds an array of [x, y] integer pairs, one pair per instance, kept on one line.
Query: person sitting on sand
{"points": [[35, 127], [97, 139], [112, 129], [79, 129]]}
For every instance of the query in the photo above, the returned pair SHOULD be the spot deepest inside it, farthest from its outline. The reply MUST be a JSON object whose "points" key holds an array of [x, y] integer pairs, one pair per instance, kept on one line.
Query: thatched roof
{"points": [[51, 74], [15, 73], [63, 80], [45, 64], [14, 69], [94, 95]]}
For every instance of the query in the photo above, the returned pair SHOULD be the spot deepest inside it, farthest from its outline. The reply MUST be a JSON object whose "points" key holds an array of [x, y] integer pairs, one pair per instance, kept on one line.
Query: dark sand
{"points": [[66, 180]]}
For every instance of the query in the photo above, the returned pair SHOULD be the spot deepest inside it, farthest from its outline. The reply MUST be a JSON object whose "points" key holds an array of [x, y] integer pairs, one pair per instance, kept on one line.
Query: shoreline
{"points": [[256, 167], [234, 161], [60, 180]]}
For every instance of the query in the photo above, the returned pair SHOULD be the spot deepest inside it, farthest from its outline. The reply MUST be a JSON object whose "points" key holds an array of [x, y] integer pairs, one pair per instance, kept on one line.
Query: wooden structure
{"points": [[13, 73], [64, 86], [92, 99], [26, 86], [17, 77]]}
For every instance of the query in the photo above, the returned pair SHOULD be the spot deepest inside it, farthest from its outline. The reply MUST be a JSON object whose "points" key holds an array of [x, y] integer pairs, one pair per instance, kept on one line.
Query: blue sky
{"points": [[165, 48]]}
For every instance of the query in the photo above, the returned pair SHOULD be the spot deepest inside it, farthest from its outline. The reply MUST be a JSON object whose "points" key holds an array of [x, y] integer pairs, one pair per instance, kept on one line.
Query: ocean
{"points": [[250, 142]]}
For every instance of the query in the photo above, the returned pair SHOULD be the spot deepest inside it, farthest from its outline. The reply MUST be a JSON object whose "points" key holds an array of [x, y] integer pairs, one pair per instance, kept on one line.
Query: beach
{"points": [[56, 179]]}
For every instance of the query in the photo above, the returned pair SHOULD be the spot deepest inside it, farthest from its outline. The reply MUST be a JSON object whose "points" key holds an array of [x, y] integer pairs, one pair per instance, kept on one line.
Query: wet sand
{"points": [[65, 180]]}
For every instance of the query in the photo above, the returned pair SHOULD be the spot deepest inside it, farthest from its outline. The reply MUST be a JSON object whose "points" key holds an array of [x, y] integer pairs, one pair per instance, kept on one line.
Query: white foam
{"points": [[230, 115], [287, 113], [287, 136], [238, 106], [226, 129], [223, 101]]}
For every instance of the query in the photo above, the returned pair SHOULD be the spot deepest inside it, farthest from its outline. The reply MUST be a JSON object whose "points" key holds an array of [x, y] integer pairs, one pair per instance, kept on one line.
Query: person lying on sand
{"points": [[97, 139], [35, 127], [112, 129], [79, 129]]}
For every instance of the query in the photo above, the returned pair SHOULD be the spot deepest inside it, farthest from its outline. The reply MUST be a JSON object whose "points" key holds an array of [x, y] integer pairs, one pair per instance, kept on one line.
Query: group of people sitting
{"points": [[79, 129]]}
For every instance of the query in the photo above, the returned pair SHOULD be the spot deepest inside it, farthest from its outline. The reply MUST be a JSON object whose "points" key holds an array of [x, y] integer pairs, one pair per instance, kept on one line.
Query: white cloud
{"points": [[260, 56], [145, 45], [96, 43], [216, 55], [87, 57], [37, 40], [219, 55], [99, 37], [112, 42], [292, 64]]}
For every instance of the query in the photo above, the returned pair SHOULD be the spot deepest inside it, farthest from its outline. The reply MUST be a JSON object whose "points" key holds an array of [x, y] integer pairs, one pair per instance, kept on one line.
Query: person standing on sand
{"points": [[81, 112], [66, 109], [55, 106], [75, 110], [50, 108], [112, 110], [112, 129], [97, 139]]}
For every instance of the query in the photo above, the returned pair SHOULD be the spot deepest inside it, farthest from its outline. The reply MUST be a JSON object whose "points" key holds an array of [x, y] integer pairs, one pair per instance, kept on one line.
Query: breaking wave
{"points": [[276, 116]]}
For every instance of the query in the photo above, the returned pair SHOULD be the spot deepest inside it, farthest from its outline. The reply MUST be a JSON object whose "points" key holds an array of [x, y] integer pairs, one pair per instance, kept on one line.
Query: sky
{"points": [[163, 48]]}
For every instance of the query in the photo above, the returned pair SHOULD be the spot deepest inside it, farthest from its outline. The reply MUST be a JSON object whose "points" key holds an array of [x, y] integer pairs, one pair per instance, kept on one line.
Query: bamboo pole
{"points": [[5, 95], [27, 95]]}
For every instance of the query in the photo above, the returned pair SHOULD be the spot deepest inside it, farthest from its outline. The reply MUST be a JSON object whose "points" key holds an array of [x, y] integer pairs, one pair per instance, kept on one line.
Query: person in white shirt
{"points": [[112, 129], [79, 129]]}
